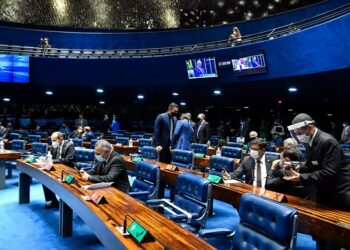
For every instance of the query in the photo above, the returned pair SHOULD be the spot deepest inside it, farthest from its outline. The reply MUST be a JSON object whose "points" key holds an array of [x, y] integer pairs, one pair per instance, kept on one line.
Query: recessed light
{"points": [[290, 110], [329, 114], [217, 92], [292, 89], [246, 107], [6, 99], [49, 92], [175, 94], [183, 103], [102, 102], [140, 97], [99, 90]]}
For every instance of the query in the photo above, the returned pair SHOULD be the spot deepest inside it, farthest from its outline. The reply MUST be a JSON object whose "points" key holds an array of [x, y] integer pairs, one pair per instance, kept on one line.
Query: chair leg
{"points": [[9, 172]]}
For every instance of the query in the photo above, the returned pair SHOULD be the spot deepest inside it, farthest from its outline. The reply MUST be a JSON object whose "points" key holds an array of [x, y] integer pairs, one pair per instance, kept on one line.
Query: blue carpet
{"points": [[30, 226]]}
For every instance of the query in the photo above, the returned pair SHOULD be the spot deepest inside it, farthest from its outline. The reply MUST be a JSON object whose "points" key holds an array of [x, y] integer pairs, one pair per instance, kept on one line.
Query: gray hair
{"points": [[289, 142], [106, 146], [58, 134]]}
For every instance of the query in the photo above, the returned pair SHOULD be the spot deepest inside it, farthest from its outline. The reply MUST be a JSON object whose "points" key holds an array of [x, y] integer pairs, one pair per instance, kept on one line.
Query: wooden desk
{"points": [[27, 146], [6, 155], [123, 150], [211, 151], [103, 218], [322, 222]]}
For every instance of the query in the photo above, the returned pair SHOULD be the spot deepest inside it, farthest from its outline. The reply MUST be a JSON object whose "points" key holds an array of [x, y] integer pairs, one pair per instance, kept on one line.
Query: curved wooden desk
{"points": [[6, 155], [103, 218], [325, 223]]}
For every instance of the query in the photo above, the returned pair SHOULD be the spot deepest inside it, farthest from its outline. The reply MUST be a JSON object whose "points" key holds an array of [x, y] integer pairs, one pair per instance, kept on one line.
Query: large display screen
{"points": [[249, 63], [201, 68], [14, 69]]}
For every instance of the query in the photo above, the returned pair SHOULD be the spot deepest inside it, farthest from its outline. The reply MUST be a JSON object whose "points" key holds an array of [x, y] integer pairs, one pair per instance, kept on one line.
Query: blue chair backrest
{"points": [[345, 147], [217, 163], [17, 145], [182, 158], [199, 148], [192, 193], [265, 224], [136, 137], [39, 148], [23, 133], [77, 142], [139, 132], [214, 140], [98, 134], [93, 143], [15, 136], [231, 152], [147, 180], [272, 155], [84, 155], [41, 133], [235, 144], [148, 136], [145, 142], [122, 140], [148, 152], [34, 138]]}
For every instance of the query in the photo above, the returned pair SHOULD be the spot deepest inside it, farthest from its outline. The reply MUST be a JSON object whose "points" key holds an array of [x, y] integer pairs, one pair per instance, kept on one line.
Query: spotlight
{"points": [[49, 92], [102, 102], [292, 89], [6, 99], [175, 94], [217, 92], [140, 97]]}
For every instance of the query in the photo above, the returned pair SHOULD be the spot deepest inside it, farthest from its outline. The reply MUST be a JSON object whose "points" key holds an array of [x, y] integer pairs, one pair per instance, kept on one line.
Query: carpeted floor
{"points": [[30, 226]]}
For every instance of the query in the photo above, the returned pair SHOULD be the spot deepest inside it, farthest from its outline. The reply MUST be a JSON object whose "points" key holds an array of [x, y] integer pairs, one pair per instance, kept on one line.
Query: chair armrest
{"points": [[178, 217], [139, 193], [155, 202], [204, 233]]}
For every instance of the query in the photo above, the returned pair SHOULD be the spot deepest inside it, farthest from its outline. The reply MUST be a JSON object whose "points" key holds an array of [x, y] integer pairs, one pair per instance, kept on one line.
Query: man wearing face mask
{"points": [[326, 175], [164, 127], [255, 167], [62, 151], [108, 167]]}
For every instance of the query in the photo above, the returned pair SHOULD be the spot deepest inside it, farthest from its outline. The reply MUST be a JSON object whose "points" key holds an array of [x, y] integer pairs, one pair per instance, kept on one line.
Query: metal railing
{"points": [[184, 49]]}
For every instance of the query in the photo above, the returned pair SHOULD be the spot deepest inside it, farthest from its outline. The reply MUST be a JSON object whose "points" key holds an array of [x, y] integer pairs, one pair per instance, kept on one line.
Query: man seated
{"points": [[255, 166], [78, 133], [3, 132], [88, 135], [108, 167], [62, 151]]}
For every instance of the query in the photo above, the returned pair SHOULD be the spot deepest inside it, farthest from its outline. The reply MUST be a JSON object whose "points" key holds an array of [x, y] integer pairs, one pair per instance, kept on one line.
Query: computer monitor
{"points": [[201, 68], [249, 63]]}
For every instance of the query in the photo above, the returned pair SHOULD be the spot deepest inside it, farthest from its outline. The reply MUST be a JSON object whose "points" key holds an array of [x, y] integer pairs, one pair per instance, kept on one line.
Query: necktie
{"points": [[199, 128], [258, 173], [171, 128], [59, 152]]}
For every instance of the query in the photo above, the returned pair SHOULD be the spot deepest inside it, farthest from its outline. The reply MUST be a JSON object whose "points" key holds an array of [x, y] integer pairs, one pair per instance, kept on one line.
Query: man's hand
{"points": [[294, 177], [225, 175], [275, 164], [159, 148], [85, 176]]}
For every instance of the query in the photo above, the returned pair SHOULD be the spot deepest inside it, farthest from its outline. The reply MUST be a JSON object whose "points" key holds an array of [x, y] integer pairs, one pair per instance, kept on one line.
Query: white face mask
{"points": [[304, 138], [55, 144], [99, 158], [254, 154]]}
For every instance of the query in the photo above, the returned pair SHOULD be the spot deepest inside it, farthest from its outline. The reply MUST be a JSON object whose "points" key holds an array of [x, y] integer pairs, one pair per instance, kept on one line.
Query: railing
{"points": [[166, 51]]}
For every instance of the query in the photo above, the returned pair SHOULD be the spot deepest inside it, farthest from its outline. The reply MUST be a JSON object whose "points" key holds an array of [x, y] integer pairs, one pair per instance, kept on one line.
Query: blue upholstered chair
{"points": [[41, 133], [272, 155], [264, 224], [345, 147], [136, 137], [146, 184], [214, 140], [347, 157], [14, 136], [145, 142], [84, 157], [34, 138], [117, 135], [19, 146], [148, 152], [77, 142], [98, 134], [122, 140], [148, 136], [231, 152], [139, 133], [93, 143], [199, 148], [182, 158], [39, 148], [23, 133], [191, 203], [217, 163], [235, 144]]}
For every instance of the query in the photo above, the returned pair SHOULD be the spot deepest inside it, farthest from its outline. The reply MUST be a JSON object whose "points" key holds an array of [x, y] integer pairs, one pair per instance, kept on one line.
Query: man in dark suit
{"points": [[326, 175], [202, 130], [164, 127], [62, 151], [108, 167], [255, 167]]}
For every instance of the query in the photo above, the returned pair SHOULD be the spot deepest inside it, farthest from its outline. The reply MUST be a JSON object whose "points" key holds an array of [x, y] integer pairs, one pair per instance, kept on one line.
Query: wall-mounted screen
{"points": [[249, 63], [14, 69], [201, 68]]}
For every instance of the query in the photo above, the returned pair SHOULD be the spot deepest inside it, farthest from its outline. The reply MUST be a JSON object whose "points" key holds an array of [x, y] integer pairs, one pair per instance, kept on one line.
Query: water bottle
{"points": [[49, 158], [2, 146], [130, 143], [208, 143], [227, 139], [218, 151]]}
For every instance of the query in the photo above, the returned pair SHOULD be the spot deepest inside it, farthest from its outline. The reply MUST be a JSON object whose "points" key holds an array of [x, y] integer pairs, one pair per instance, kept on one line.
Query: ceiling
{"points": [[140, 14]]}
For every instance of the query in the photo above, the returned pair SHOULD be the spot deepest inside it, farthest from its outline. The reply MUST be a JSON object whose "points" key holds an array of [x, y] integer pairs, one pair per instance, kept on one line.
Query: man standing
{"points": [[3, 132], [62, 151], [255, 167], [81, 122], [108, 167], [115, 124], [325, 174], [164, 127], [202, 130]]}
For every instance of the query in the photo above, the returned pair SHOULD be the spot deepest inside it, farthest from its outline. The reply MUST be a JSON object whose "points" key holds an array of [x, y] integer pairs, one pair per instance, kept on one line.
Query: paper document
{"points": [[231, 181], [98, 185]]}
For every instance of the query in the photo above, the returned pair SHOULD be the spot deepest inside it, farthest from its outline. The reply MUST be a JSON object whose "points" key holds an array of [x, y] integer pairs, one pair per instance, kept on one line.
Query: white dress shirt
{"points": [[263, 172]]}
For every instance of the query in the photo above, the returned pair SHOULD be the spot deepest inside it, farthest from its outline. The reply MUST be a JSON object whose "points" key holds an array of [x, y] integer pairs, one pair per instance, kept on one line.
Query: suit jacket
{"points": [[80, 123], [67, 155], [326, 174], [247, 168], [89, 136], [3, 132], [202, 135], [162, 130], [182, 135], [112, 170]]}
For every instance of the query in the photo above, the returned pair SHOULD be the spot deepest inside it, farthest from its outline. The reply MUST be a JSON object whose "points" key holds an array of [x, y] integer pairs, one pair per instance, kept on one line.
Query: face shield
{"points": [[297, 131]]}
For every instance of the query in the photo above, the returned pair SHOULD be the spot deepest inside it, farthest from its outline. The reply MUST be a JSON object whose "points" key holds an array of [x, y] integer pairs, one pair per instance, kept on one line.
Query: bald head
{"points": [[104, 148], [201, 116]]}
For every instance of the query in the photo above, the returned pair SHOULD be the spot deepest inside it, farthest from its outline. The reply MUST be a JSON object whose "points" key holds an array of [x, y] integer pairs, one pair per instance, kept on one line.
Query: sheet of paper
{"points": [[98, 185]]}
